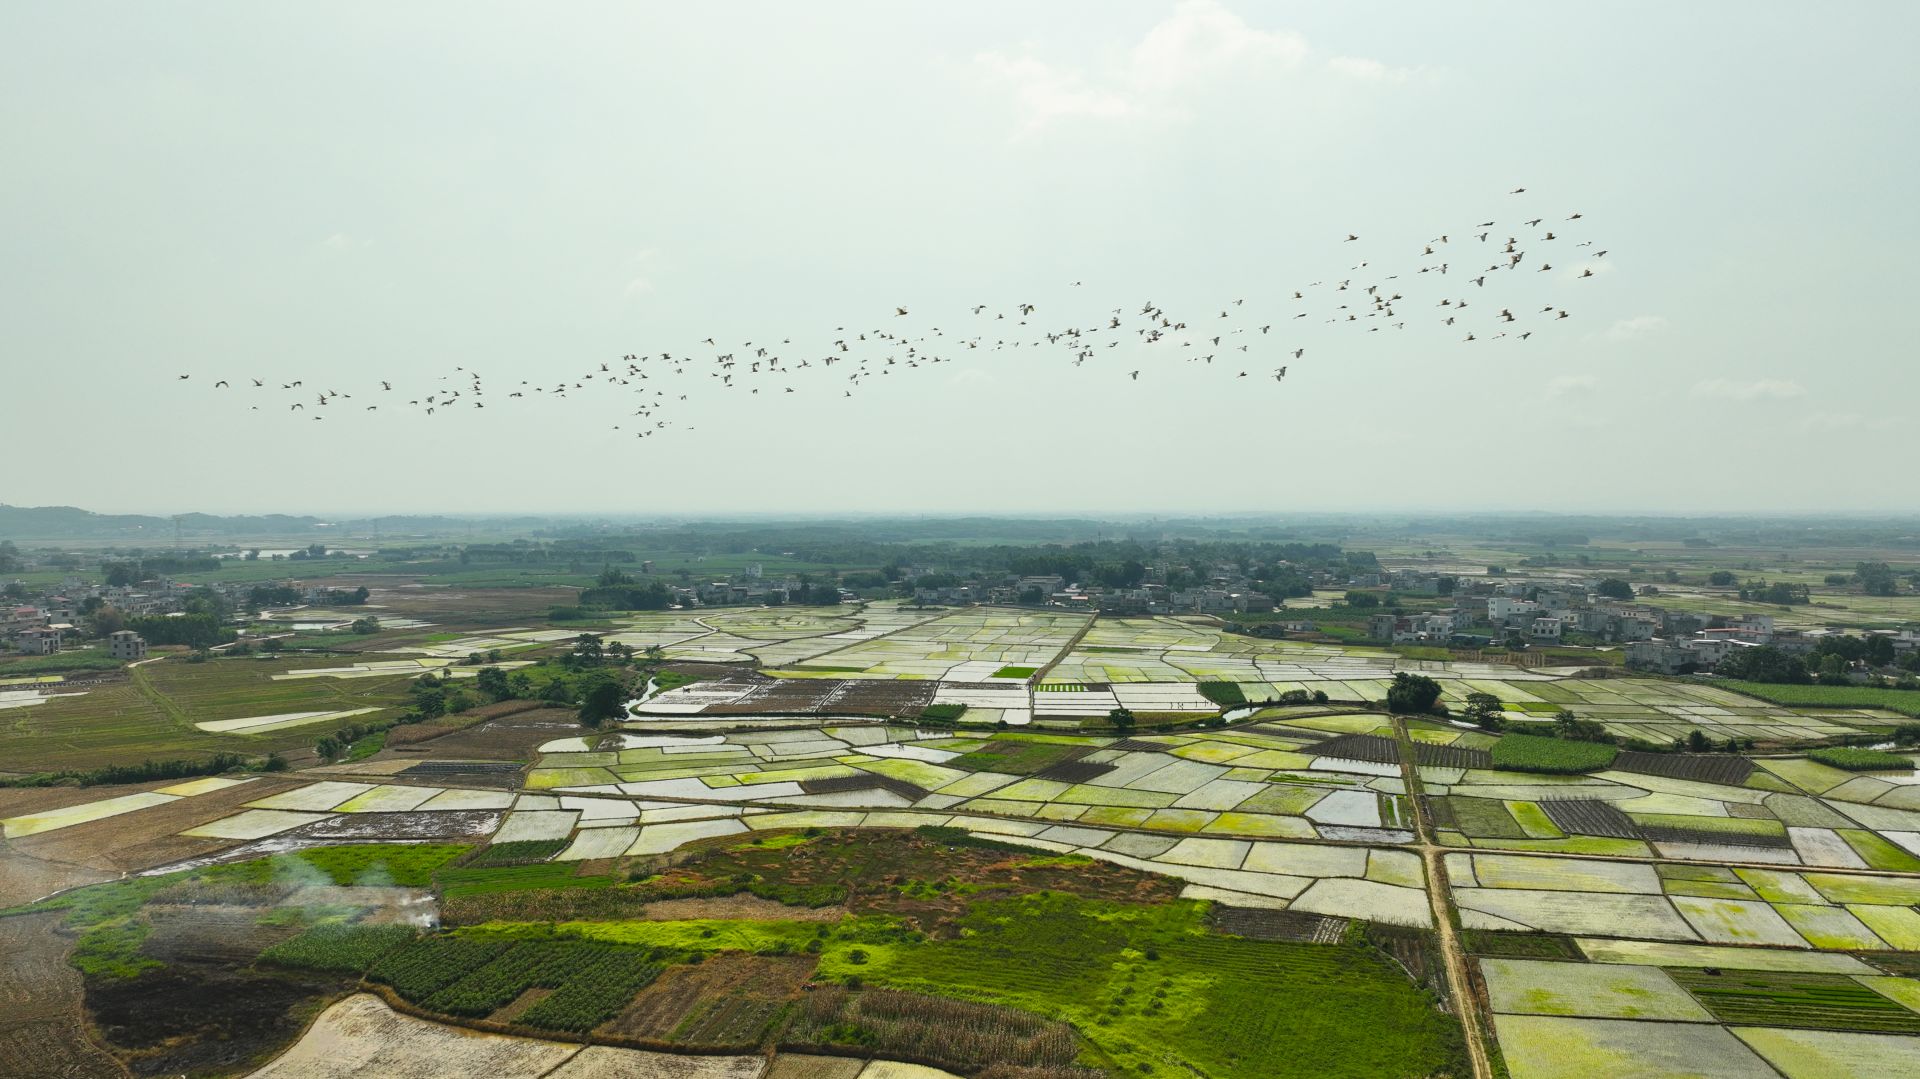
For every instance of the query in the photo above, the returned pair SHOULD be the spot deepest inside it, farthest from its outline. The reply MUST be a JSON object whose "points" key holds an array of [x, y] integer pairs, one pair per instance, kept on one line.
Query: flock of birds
{"points": [[1462, 281]]}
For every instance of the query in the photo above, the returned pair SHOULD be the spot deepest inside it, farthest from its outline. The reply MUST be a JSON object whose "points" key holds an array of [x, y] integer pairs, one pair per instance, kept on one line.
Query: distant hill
{"points": [[68, 522]]}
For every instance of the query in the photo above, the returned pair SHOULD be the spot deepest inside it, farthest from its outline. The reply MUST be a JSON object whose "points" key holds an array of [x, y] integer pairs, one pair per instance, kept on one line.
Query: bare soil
{"points": [[41, 1033], [730, 999]]}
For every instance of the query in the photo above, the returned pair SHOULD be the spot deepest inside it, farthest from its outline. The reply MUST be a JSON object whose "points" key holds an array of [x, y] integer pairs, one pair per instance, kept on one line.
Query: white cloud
{"points": [[1771, 389], [1046, 93], [1202, 37], [1638, 326], [1566, 385], [640, 265], [341, 241], [1818, 422], [1202, 40], [1361, 68]]}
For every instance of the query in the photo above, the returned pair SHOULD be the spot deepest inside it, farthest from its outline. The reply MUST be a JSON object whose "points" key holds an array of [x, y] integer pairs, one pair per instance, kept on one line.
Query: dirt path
{"points": [[1073, 642], [1440, 894]]}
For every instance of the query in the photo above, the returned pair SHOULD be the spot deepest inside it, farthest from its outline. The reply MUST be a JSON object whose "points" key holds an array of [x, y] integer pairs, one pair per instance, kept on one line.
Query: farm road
{"points": [[1459, 985]]}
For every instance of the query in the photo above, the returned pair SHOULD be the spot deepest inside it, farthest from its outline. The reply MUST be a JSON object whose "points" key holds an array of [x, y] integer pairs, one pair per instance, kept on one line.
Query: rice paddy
{"points": [[1798, 881]]}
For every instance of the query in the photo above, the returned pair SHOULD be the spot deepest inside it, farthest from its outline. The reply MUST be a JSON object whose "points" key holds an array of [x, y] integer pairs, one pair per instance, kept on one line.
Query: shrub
{"points": [[1553, 756], [1854, 759], [942, 714], [1224, 694]]}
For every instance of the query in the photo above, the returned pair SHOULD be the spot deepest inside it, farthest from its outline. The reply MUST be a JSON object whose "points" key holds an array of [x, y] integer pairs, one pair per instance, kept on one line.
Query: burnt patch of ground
{"points": [[200, 1017], [209, 933]]}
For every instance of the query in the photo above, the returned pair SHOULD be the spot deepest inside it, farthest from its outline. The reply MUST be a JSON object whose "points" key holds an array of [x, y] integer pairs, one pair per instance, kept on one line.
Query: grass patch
{"points": [[1551, 756], [1018, 757], [1855, 759], [1512, 945], [109, 928], [466, 882], [521, 852]]}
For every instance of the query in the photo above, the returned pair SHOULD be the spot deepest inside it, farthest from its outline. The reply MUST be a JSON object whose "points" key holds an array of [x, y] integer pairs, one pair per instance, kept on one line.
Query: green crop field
{"points": [[348, 949], [1146, 983], [1905, 701], [1554, 756], [1854, 759], [151, 715], [1785, 999]]}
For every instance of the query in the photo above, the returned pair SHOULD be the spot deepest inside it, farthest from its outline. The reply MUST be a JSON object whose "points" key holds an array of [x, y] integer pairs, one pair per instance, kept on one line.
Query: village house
{"points": [[37, 641], [126, 645]]}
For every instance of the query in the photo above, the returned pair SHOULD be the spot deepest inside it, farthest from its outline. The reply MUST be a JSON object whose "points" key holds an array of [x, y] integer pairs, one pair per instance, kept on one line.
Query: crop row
{"points": [[1552, 756], [350, 949]]}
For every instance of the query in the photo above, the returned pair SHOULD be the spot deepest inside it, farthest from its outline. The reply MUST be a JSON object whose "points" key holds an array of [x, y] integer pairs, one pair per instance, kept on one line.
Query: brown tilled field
{"points": [[127, 843], [481, 608], [510, 737], [729, 1000], [41, 1032], [886, 871]]}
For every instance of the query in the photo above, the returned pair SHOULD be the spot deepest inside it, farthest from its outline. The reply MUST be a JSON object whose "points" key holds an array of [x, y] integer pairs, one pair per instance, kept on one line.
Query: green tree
{"points": [[1879, 650], [1363, 600], [1698, 742], [1412, 693], [1764, 664], [429, 697], [492, 682], [1483, 709], [1574, 729], [604, 702], [1122, 719], [107, 620], [587, 652], [1720, 578], [1614, 588]]}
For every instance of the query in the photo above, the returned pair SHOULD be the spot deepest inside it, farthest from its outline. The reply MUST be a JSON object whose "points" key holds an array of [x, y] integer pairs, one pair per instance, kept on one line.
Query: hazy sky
{"points": [[360, 191]]}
